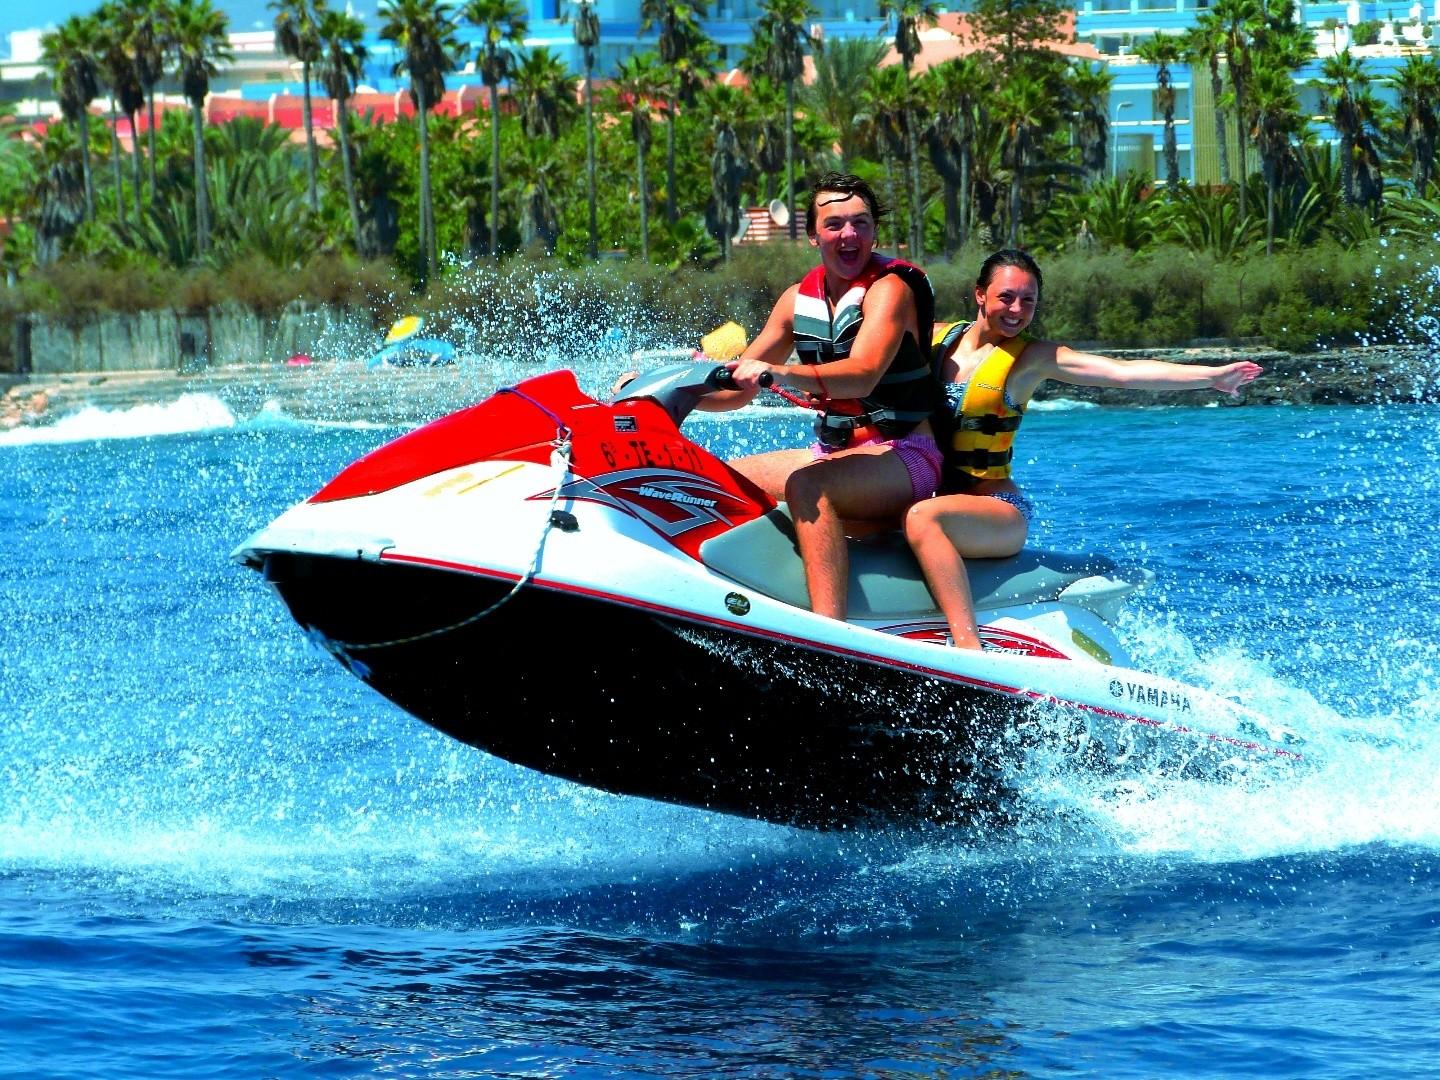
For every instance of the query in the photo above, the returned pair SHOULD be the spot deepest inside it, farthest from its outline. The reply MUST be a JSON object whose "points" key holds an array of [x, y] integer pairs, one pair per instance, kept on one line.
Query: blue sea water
{"points": [[221, 856]]}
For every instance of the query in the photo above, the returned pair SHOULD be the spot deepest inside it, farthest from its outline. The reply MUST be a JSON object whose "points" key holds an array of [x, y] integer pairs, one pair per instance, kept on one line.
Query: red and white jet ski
{"points": [[577, 587]]}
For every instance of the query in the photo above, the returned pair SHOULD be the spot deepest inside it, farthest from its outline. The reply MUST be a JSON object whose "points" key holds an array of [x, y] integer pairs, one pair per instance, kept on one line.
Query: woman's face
{"points": [[844, 233], [1008, 303]]}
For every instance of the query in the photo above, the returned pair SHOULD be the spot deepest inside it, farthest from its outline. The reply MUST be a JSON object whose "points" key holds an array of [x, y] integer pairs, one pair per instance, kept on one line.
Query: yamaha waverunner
{"points": [[575, 586]]}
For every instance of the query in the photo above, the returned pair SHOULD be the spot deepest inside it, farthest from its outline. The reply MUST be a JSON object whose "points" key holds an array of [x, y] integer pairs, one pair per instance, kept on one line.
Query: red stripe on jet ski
{"points": [[854, 654]]}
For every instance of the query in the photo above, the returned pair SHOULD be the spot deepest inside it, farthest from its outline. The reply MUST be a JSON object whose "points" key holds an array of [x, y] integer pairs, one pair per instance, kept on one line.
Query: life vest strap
{"points": [[841, 423], [988, 424], [819, 352], [979, 459]]}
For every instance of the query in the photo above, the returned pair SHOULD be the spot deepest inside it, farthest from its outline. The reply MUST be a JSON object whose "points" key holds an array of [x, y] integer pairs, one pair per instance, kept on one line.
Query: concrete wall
{"points": [[171, 341]]}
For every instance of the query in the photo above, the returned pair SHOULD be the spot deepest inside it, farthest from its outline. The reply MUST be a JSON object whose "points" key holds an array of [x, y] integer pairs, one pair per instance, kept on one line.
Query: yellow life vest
{"points": [[984, 425]]}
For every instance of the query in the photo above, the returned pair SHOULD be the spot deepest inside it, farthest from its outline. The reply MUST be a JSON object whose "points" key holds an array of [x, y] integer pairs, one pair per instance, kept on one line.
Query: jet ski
{"points": [[577, 587]]}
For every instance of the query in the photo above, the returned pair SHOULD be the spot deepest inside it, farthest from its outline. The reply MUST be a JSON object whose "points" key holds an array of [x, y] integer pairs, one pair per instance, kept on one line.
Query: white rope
{"points": [[560, 462]]}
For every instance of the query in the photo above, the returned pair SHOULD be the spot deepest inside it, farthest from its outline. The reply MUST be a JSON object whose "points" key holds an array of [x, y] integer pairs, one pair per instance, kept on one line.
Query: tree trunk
{"points": [[312, 153], [890, 197], [150, 142], [590, 160], [427, 205], [790, 157], [965, 205], [917, 210], [1240, 144], [644, 204], [135, 162], [202, 192], [1269, 213], [1216, 89], [115, 164], [1347, 168], [82, 132], [342, 125], [1017, 173], [671, 210], [495, 172]]}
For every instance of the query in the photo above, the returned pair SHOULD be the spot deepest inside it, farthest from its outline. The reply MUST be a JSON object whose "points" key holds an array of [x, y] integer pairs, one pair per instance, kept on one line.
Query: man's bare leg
{"points": [[866, 483]]}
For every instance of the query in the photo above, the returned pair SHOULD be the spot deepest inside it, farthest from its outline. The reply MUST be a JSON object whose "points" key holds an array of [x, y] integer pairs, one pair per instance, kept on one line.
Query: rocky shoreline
{"points": [[350, 392], [1371, 375]]}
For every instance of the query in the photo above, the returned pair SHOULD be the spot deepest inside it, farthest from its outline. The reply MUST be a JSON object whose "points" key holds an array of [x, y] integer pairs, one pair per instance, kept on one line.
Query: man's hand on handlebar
{"points": [[751, 375]]}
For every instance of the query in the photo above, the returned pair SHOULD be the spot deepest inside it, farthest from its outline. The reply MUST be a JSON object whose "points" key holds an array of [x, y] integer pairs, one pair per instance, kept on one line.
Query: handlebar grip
{"points": [[723, 378]]}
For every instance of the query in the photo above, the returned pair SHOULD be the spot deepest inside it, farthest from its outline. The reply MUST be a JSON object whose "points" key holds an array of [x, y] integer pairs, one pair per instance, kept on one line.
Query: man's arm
{"points": [[889, 312]]}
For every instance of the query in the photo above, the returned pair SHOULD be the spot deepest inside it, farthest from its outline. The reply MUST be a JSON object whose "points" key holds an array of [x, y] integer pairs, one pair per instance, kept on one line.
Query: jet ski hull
{"points": [[651, 705]]}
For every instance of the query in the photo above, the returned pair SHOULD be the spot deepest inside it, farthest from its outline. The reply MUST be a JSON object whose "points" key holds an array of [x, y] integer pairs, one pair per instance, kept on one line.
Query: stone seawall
{"points": [[172, 341]]}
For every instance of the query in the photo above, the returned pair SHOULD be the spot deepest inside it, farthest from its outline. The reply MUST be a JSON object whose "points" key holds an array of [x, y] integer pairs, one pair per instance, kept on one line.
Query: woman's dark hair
{"points": [[843, 184], [1009, 257]]}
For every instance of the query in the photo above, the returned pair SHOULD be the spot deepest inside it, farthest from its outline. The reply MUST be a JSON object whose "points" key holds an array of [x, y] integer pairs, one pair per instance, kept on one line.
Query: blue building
{"points": [[1116, 27]]}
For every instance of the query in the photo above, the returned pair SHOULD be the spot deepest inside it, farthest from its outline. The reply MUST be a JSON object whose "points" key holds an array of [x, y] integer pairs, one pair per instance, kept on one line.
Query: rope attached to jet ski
{"points": [[560, 454]]}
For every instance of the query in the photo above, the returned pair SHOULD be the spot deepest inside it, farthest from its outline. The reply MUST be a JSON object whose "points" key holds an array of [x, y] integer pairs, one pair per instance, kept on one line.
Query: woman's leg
{"points": [[946, 530], [865, 483]]}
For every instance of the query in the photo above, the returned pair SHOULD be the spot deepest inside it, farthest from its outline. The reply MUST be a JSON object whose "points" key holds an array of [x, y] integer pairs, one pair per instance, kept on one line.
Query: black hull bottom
{"points": [[640, 705]]}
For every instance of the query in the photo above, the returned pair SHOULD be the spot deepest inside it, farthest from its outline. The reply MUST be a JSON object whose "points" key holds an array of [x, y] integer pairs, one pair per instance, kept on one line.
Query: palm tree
{"points": [[202, 44], [545, 92], [954, 91], [685, 51], [1277, 120], [726, 106], [425, 35], [69, 52], [1088, 88], [502, 23], [539, 221], [297, 32], [342, 58], [1239, 21], [763, 132], [120, 62], [1162, 50], [1205, 43], [150, 41], [910, 17], [117, 65], [1026, 109], [587, 36], [57, 196], [889, 101], [1343, 79], [1418, 88], [784, 26], [639, 81], [843, 70], [380, 175]]}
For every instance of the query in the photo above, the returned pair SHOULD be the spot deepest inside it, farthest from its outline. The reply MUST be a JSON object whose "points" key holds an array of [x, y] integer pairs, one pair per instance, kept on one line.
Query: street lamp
{"points": [[1115, 139]]}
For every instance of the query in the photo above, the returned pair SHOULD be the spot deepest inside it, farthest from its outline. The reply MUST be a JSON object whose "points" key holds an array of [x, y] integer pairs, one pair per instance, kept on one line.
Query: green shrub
{"points": [[1320, 296]]}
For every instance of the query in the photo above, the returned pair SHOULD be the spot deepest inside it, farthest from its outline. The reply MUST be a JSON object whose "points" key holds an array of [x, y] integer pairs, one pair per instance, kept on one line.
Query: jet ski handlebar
{"points": [[723, 378], [678, 388]]}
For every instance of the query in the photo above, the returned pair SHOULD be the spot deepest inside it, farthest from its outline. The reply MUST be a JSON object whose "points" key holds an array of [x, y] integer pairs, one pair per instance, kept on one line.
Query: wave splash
{"points": [[192, 412]]}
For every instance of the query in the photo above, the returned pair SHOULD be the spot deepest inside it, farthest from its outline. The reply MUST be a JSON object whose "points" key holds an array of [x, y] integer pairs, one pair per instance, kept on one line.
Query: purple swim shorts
{"points": [[920, 455]]}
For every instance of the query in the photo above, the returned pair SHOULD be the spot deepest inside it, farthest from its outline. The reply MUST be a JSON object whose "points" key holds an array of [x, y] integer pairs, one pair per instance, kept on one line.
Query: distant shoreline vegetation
{"points": [[1323, 297], [622, 193]]}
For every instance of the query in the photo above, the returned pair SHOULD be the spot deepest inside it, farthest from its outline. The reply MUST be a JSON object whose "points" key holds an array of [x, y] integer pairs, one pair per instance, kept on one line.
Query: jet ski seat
{"points": [[885, 579]]}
